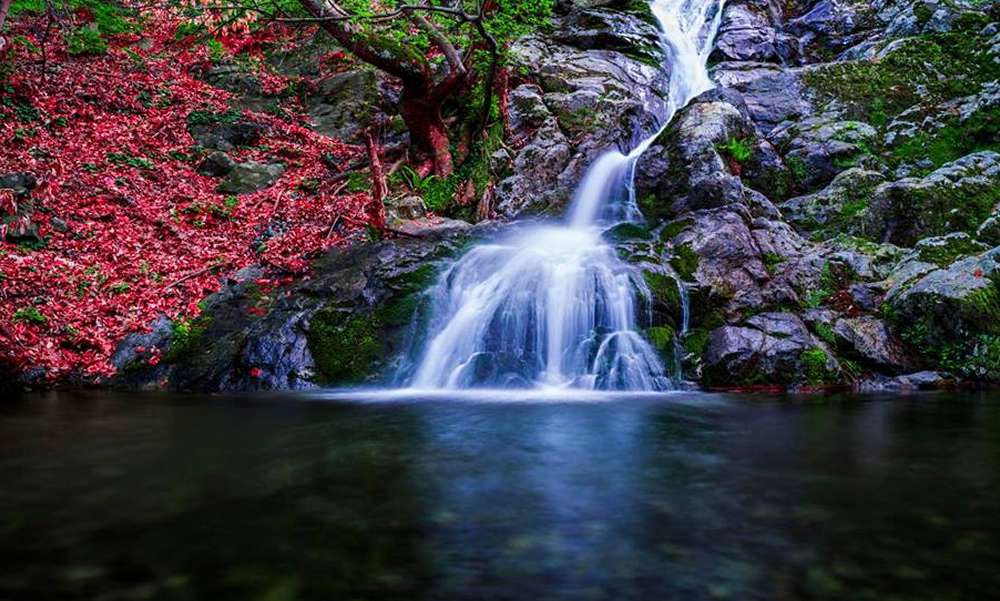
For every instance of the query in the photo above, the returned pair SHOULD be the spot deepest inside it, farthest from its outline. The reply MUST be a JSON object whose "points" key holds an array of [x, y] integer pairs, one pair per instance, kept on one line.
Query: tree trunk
{"points": [[429, 142], [377, 210], [4, 9]]}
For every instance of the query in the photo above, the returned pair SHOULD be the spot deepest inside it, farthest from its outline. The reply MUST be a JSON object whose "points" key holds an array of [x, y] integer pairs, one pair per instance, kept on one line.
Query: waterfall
{"points": [[553, 305]]}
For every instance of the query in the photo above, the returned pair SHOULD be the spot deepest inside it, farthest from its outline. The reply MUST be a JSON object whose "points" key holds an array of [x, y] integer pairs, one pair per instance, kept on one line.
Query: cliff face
{"points": [[830, 208]]}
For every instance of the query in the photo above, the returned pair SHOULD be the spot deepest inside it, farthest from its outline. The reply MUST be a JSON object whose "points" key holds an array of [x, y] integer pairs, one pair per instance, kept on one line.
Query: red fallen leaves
{"points": [[107, 138]]}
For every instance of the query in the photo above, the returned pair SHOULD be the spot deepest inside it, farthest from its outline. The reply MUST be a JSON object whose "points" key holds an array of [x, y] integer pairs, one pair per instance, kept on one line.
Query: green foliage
{"points": [[814, 368], [662, 338], [771, 261], [216, 51], [925, 68], [824, 289], [30, 315], [85, 41], [186, 336], [213, 118], [437, 192], [738, 149], [685, 261], [124, 158]]}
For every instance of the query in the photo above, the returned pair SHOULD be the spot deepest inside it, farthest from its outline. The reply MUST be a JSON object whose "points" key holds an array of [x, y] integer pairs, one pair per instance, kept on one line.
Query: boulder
{"points": [[216, 164], [745, 34], [872, 341], [958, 197], [344, 104], [250, 177], [840, 207], [769, 349], [224, 135], [773, 93]]}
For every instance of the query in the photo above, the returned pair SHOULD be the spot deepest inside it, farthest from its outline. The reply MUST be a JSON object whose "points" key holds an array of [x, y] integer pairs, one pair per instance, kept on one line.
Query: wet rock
{"points": [[871, 340], [922, 380], [250, 177], [216, 164], [771, 348], [839, 207], [959, 196], [352, 321], [773, 93], [59, 225], [745, 34]]}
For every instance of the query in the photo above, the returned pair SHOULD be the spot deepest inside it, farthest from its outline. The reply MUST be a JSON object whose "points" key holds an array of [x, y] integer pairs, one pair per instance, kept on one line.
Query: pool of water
{"points": [[353, 497]]}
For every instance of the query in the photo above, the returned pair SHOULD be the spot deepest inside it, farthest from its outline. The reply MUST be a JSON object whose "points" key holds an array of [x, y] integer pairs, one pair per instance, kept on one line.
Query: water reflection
{"points": [[678, 497]]}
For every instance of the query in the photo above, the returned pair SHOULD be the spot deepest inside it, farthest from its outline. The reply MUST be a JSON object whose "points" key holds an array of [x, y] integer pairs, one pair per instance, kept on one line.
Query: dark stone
{"points": [[216, 164]]}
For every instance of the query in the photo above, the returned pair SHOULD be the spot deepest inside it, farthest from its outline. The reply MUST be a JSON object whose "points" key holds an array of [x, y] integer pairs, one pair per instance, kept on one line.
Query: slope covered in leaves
{"points": [[130, 231]]}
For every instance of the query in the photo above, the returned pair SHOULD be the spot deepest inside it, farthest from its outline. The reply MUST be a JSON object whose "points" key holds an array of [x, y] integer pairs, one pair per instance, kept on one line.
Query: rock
{"points": [[250, 177], [944, 250], [772, 348], [745, 34], [832, 26], [20, 182], [922, 380], [587, 98], [344, 104], [951, 304], [405, 208], [223, 135], [216, 164], [351, 322], [59, 225], [958, 197], [870, 339], [840, 207], [818, 148], [697, 175], [773, 93]]}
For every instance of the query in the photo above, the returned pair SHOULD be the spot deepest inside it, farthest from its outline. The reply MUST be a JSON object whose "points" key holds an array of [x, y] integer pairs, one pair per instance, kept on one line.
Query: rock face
{"points": [[829, 211], [959, 196], [351, 323], [771, 348], [597, 85]]}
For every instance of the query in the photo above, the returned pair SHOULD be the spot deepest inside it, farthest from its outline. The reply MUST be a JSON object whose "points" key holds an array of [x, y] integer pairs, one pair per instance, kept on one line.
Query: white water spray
{"points": [[553, 306]]}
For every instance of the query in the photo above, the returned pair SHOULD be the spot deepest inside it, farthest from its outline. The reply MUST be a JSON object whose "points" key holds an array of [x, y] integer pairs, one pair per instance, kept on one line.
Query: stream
{"points": [[510, 496]]}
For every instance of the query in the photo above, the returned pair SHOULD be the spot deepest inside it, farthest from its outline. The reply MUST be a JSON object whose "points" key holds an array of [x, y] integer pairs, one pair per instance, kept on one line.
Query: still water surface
{"points": [[684, 496]]}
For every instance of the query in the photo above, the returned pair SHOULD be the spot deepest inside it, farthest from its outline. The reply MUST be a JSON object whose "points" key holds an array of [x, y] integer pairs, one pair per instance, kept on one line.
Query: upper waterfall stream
{"points": [[553, 305]]}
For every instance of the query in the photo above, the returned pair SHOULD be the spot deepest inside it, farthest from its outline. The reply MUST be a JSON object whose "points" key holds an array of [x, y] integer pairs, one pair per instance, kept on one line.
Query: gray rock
{"points": [[944, 250], [959, 196], [841, 205], [216, 164], [344, 104], [225, 136], [745, 34], [773, 93], [20, 182], [405, 208], [871, 340], [250, 177], [772, 348]]}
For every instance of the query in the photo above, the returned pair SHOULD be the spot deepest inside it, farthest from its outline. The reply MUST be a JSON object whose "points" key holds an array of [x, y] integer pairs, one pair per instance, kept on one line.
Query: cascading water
{"points": [[553, 305]]}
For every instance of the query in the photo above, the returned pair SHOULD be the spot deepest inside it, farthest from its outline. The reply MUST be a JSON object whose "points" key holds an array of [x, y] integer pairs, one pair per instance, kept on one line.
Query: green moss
{"points": [[345, 346], [954, 140], [737, 149], [85, 41], [813, 362], [664, 290], [771, 261], [30, 315], [662, 339], [186, 337], [925, 68], [825, 332], [685, 261], [627, 231], [696, 341], [672, 229]]}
